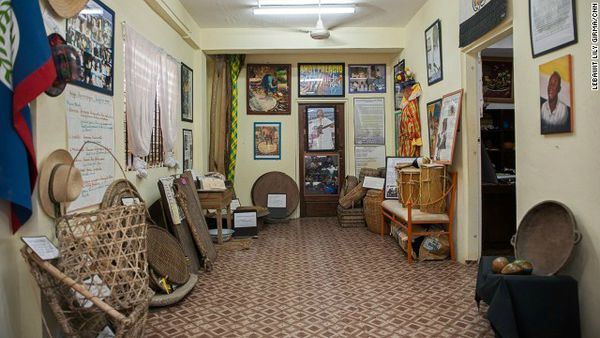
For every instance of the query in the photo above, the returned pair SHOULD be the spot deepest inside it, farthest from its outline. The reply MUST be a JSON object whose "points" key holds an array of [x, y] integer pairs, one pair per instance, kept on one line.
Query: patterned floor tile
{"points": [[311, 278]]}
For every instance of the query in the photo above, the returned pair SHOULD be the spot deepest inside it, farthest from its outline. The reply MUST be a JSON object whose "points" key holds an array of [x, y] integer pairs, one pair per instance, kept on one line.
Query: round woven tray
{"points": [[166, 256], [276, 182], [118, 190], [546, 237]]}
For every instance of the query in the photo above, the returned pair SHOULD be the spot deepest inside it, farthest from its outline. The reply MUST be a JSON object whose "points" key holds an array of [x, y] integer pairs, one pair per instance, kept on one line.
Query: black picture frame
{"points": [[303, 76], [328, 110], [187, 96], [398, 68], [367, 74], [188, 157], [96, 49], [431, 77], [557, 47], [390, 166]]}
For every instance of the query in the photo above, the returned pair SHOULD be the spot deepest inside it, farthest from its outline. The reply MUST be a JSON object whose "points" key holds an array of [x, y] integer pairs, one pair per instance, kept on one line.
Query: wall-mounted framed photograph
{"points": [[188, 150], [187, 93], [320, 126], [321, 174], [498, 77], [366, 79], [433, 48], [556, 96], [552, 27], [433, 121], [398, 68], [268, 88], [390, 190], [321, 79], [92, 33], [448, 127], [267, 140]]}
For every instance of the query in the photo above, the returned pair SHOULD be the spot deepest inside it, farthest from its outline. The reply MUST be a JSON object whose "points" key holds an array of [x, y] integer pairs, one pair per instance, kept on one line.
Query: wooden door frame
{"points": [[326, 201]]}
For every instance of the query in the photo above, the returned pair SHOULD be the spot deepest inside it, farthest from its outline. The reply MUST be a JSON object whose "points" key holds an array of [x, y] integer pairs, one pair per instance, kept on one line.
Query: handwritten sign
{"points": [[90, 117]]}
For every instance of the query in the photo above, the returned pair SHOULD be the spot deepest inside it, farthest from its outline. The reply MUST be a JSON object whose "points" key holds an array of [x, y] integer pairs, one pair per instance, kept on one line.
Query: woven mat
{"points": [[235, 244]]}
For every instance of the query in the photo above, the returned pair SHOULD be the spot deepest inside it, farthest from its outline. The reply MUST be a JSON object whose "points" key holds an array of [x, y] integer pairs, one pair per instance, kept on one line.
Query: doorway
{"points": [[497, 138], [321, 130]]}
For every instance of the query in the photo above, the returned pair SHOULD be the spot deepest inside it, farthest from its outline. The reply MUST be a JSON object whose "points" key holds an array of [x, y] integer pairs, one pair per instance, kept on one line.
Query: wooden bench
{"points": [[407, 217]]}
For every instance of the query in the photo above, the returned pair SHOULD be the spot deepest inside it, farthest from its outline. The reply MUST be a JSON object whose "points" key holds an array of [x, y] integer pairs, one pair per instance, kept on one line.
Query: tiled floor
{"points": [[311, 278]]}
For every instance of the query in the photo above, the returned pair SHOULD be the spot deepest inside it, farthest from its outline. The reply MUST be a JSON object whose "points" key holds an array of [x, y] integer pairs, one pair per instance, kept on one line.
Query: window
{"points": [[156, 156]]}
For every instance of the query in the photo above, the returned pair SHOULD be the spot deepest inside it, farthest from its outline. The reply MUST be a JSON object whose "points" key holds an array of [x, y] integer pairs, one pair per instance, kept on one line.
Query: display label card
{"points": [[373, 182], [245, 219], [277, 201], [235, 203], [127, 201], [42, 246]]}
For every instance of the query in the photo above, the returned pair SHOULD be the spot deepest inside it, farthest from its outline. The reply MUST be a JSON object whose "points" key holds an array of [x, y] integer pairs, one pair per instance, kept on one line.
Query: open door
{"points": [[321, 131]]}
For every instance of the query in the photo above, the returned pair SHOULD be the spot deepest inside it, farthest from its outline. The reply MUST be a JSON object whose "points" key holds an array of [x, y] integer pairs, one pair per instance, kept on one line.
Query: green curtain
{"points": [[234, 64]]}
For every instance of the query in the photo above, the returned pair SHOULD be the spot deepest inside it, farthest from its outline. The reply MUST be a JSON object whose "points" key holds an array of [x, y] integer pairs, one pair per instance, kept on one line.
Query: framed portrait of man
{"points": [[556, 96], [433, 48], [320, 128]]}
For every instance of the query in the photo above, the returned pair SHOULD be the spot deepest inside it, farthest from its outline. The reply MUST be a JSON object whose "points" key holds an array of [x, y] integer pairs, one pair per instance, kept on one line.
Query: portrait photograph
{"points": [[267, 140], [433, 121], [366, 79], [268, 88], [188, 150], [187, 93], [321, 79], [556, 96], [92, 34], [320, 128], [448, 127], [433, 48], [497, 79], [321, 174]]}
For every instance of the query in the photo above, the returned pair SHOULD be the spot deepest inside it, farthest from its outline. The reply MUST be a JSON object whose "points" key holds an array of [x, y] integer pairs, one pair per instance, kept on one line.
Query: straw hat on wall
{"points": [[67, 8], [59, 183]]}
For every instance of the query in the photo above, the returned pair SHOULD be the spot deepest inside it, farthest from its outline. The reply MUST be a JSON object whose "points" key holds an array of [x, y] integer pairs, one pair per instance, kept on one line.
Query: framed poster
{"points": [[321, 79], [187, 93], [368, 157], [433, 121], [369, 121], [398, 68], [390, 190], [92, 33], [433, 48], [497, 80], [320, 126], [366, 79], [553, 26], [448, 127], [267, 140], [188, 150], [268, 88], [556, 96], [321, 174]]}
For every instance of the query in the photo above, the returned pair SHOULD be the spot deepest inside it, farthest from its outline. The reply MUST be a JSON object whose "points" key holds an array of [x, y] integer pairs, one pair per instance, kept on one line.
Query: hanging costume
{"points": [[409, 136]]}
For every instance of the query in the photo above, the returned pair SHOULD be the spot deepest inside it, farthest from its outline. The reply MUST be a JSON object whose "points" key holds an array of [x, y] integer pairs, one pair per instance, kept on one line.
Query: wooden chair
{"points": [[410, 219]]}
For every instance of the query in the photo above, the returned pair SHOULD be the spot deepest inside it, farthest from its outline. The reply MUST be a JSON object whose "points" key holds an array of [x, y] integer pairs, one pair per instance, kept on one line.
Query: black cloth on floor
{"points": [[528, 306]]}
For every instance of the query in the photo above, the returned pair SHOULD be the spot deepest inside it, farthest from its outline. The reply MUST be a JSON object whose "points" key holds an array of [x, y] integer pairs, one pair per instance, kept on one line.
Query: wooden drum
{"points": [[432, 188], [408, 183]]}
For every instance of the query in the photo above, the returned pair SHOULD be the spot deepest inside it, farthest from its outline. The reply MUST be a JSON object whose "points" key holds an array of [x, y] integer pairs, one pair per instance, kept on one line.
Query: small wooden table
{"points": [[217, 199]]}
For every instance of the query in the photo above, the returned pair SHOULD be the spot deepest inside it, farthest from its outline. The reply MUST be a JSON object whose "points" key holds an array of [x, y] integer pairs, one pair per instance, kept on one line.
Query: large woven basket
{"points": [[372, 210], [350, 218], [111, 244]]}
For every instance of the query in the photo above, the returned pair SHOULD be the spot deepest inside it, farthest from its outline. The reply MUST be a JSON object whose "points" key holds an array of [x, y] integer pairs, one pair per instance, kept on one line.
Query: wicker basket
{"points": [[350, 218], [372, 210], [353, 198]]}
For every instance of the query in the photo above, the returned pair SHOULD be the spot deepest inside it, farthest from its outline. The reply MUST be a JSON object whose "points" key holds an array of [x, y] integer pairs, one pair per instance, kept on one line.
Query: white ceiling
{"points": [[238, 14]]}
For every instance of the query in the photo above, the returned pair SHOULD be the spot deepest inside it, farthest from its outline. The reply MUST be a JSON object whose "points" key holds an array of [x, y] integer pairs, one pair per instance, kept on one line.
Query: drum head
{"points": [[546, 237], [276, 182]]}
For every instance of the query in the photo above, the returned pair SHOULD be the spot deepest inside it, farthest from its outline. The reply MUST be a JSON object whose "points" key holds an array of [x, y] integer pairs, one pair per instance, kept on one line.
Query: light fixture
{"points": [[303, 2], [293, 10]]}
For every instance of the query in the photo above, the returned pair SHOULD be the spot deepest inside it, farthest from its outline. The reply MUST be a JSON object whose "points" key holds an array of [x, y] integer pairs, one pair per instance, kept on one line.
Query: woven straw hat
{"points": [[59, 183], [67, 8]]}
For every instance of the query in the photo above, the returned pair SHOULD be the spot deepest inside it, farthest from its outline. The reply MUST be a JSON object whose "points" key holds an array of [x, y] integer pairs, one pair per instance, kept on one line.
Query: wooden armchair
{"points": [[411, 219]]}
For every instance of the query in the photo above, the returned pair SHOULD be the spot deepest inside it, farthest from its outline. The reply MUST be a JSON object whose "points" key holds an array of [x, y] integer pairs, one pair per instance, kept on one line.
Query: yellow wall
{"points": [[562, 167], [19, 297], [248, 169]]}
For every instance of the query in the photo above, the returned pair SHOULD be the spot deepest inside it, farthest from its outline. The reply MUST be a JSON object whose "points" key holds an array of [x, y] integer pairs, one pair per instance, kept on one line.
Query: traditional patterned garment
{"points": [[409, 136], [26, 70]]}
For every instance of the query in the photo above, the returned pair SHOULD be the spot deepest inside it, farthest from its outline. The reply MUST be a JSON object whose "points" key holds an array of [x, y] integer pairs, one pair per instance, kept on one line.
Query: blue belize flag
{"points": [[26, 70]]}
